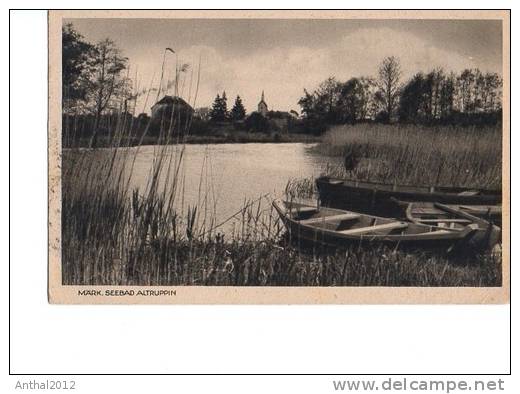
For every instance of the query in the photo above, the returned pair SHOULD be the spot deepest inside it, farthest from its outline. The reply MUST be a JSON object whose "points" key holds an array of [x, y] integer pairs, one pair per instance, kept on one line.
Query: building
{"points": [[168, 109], [262, 106], [265, 120], [203, 113], [169, 103]]}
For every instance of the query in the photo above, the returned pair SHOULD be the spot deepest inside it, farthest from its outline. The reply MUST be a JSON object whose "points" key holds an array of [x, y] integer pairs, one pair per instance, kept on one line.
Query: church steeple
{"points": [[262, 106]]}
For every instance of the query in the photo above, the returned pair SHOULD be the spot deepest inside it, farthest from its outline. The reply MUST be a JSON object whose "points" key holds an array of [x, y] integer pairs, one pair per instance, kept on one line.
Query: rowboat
{"points": [[336, 227], [429, 210], [492, 213], [452, 217], [373, 197]]}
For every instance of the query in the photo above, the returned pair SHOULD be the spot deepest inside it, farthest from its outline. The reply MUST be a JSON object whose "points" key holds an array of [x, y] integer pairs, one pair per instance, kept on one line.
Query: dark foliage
{"points": [[257, 123], [238, 112], [75, 54], [469, 98], [219, 111]]}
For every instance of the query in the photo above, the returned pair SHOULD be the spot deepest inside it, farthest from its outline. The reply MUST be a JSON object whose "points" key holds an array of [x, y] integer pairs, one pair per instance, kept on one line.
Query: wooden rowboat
{"points": [[492, 213], [452, 217], [375, 197], [336, 227], [429, 210]]}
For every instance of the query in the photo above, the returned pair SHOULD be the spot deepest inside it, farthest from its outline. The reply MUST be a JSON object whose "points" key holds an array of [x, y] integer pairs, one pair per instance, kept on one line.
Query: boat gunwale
{"points": [[403, 188], [451, 234]]}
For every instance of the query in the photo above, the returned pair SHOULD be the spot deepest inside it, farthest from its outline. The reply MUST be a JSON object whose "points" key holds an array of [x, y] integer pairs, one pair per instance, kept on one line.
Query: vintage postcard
{"points": [[279, 157]]}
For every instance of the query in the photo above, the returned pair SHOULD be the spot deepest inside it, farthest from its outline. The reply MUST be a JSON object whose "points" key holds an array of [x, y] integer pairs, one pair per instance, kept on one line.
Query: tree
{"points": [[238, 112], [107, 82], [75, 55], [466, 81], [307, 104], [476, 92], [434, 80], [322, 104], [219, 111], [224, 105], [256, 122], [327, 99], [411, 100], [355, 99], [447, 97], [388, 84], [489, 91], [427, 98]]}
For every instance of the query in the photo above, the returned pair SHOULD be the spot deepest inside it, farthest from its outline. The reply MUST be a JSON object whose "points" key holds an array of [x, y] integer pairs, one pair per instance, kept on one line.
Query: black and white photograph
{"points": [[260, 200], [283, 157]]}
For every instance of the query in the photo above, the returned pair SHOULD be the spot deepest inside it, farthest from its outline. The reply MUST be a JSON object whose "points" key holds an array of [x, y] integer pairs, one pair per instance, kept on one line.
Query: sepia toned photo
{"points": [[279, 157]]}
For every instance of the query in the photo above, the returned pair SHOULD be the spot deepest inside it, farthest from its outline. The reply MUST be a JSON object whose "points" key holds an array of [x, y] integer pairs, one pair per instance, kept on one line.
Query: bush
{"points": [[256, 122], [200, 127], [309, 126]]}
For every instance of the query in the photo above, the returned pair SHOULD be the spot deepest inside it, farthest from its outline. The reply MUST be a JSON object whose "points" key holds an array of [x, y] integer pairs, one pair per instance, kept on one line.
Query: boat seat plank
{"points": [[469, 193], [303, 209], [378, 227], [427, 211], [481, 208], [437, 232], [341, 217], [445, 220], [473, 207]]}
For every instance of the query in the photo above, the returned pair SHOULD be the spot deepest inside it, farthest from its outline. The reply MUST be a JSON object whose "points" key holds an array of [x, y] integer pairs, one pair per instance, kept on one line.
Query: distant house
{"points": [[203, 113], [169, 103], [171, 111], [273, 120]]}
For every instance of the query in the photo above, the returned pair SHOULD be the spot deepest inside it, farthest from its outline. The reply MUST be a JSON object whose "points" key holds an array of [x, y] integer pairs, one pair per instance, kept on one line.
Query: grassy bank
{"points": [[116, 241], [220, 137], [117, 236], [418, 155]]}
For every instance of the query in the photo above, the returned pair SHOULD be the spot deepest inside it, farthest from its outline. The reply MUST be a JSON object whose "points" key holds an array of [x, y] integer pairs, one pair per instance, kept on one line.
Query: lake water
{"points": [[221, 178]]}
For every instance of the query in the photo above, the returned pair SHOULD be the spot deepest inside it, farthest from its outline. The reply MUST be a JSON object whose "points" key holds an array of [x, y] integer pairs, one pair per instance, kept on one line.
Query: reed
{"points": [[417, 155], [114, 235], [117, 241]]}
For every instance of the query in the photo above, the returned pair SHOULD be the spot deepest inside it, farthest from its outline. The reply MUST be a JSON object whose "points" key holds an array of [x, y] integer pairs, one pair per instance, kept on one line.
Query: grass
{"points": [[418, 155], [111, 240], [112, 235]]}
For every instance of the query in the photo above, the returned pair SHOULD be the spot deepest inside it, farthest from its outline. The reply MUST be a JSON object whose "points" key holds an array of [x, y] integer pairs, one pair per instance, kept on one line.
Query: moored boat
{"points": [[375, 197], [336, 227], [430, 210], [452, 217]]}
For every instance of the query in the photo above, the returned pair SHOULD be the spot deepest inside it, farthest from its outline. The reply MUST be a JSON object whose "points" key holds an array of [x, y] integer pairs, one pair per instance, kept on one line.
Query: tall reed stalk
{"points": [[418, 155]]}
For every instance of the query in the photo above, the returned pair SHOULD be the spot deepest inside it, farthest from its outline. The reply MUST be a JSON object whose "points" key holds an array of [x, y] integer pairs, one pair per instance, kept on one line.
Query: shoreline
{"points": [[238, 138]]}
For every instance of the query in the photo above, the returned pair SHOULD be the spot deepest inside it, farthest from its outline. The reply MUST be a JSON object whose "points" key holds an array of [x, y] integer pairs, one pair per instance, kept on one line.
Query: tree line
{"points": [[219, 115], [219, 110], [469, 97], [96, 89]]}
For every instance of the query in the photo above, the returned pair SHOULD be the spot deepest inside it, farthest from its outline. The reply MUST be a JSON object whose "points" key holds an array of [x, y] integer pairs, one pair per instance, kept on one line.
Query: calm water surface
{"points": [[220, 179]]}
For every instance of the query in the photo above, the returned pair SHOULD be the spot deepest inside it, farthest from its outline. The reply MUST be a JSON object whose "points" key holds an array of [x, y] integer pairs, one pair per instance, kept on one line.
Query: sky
{"points": [[282, 56]]}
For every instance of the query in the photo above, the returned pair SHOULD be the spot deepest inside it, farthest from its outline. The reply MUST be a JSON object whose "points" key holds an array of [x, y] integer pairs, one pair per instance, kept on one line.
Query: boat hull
{"points": [[452, 216], [416, 210], [317, 236], [376, 198]]}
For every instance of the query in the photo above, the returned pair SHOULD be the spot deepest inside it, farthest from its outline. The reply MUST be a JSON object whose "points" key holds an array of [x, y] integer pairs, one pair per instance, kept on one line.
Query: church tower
{"points": [[262, 106]]}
